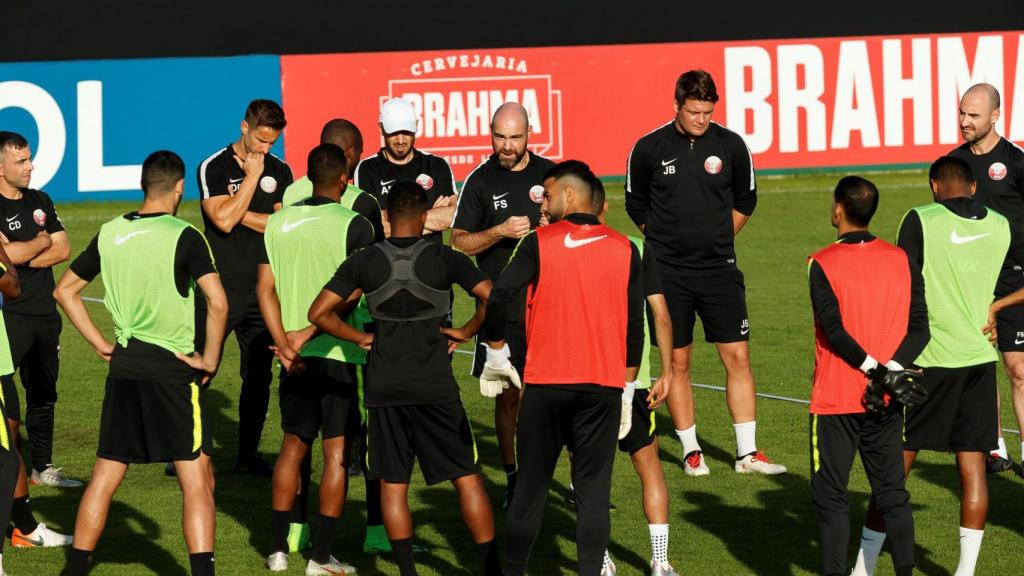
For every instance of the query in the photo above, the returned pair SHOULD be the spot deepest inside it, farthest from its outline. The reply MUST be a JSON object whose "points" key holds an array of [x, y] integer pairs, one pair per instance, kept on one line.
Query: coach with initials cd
{"points": [[690, 188]]}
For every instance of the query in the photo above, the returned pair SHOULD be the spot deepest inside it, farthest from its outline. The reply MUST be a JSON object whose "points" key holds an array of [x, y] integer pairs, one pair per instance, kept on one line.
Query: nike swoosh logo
{"points": [[37, 542], [957, 239], [383, 183], [1018, 342], [667, 162], [13, 217], [744, 332], [289, 226], [570, 243], [118, 240], [500, 196], [235, 180]]}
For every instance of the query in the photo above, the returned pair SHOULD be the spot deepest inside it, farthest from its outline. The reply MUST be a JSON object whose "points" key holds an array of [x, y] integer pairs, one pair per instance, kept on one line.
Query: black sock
{"points": [[322, 538], [301, 504], [202, 564], [510, 477], [79, 562], [401, 552], [21, 515], [373, 513], [279, 528], [489, 558]]}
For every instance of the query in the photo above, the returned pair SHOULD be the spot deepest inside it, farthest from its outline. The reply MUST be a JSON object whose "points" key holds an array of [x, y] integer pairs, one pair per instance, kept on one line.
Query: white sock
{"points": [[689, 439], [746, 438], [1001, 450], [870, 547], [659, 542], [607, 561], [970, 545], [1022, 451]]}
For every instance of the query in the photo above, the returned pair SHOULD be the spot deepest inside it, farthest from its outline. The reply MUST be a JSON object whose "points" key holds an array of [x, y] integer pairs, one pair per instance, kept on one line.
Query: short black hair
{"points": [[859, 199], [696, 85], [949, 169], [406, 199], [341, 132], [326, 163], [579, 170], [161, 171], [267, 113], [11, 140]]}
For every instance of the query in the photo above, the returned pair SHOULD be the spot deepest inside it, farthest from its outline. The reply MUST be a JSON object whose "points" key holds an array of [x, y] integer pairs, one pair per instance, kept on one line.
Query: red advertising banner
{"points": [[803, 103]]}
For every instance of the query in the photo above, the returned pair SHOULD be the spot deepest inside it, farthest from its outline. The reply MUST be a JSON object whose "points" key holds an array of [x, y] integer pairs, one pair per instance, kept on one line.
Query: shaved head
{"points": [[510, 130], [986, 91], [344, 135], [979, 111]]}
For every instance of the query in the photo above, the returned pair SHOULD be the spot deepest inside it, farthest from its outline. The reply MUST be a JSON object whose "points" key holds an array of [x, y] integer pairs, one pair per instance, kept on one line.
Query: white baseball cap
{"points": [[398, 115]]}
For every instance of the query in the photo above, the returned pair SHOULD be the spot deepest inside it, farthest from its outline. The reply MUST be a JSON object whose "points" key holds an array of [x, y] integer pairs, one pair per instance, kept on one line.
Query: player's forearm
{"points": [[440, 218], [229, 213], [1012, 299], [270, 310], [662, 331], [74, 308], [216, 322], [473, 243], [739, 220], [57, 252], [255, 221], [22, 252], [631, 373]]}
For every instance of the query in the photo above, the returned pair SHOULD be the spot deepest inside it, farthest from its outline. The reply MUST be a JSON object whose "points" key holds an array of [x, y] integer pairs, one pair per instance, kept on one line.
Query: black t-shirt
{"points": [[366, 206], [652, 274], [492, 195], [684, 192], [25, 218], [376, 174], [142, 360], [408, 363], [360, 231], [236, 252], [1000, 186]]}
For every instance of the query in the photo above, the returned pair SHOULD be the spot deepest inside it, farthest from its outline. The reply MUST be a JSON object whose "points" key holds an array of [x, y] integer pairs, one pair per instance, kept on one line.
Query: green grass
{"points": [[723, 524]]}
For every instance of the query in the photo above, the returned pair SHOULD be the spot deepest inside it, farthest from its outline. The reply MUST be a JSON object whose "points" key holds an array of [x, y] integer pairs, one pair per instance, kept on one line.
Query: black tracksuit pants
{"points": [[584, 418], [255, 364], [835, 439]]}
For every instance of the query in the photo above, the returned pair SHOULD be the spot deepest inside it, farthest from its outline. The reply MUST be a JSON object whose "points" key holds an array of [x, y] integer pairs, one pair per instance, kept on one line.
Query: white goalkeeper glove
{"points": [[498, 372], [626, 418]]}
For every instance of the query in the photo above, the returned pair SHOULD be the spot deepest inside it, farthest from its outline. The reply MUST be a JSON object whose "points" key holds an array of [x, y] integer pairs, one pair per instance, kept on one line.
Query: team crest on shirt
{"points": [[713, 165], [39, 216], [268, 184], [997, 171], [537, 193], [425, 181]]}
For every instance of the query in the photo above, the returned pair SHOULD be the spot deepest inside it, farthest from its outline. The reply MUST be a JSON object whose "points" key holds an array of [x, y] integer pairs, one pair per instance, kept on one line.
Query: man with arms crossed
{"points": [[150, 262], [690, 188], [499, 204]]}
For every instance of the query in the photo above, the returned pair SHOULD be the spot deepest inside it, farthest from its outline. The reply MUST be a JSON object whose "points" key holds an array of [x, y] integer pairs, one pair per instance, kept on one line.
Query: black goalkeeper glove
{"points": [[903, 385], [874, 397]]}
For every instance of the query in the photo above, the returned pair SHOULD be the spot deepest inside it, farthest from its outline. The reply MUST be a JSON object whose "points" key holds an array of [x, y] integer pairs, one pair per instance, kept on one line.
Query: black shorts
{"points": [[721, 301], [1010, 321], [641, 434], [960, 414], [438, 435], [515, 337], [35, 351], [146, 422], [323, 400]]}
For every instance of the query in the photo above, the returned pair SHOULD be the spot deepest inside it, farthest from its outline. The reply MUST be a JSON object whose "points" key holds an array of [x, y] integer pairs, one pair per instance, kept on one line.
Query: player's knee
{"points": [[889, 499], [1016, 372]]}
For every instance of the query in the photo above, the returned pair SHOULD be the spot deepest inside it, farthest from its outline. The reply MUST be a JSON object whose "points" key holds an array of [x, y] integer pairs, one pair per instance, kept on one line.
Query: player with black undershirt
{"points": [[319, 395], [998, 168], [499, 204], [690, 188], [35, 240], [400, 161], [240, 186], [414, 412], [150, 262]]}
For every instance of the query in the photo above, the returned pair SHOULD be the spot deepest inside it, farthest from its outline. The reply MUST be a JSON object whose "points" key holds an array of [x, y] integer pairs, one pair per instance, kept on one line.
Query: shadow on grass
{"points": [[131, 537]]}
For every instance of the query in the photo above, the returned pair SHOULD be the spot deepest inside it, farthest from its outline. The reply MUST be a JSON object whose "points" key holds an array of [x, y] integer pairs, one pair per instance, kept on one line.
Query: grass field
{"points": [[724, 524]]}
